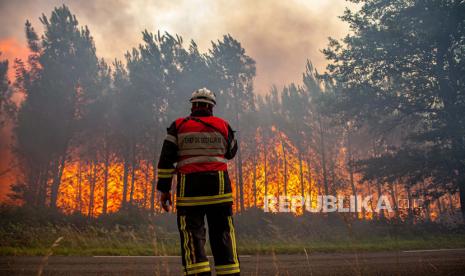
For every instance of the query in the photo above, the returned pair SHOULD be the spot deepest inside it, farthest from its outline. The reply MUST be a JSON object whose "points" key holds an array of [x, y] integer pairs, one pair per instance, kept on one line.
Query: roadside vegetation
{"points": [[132, 232]]}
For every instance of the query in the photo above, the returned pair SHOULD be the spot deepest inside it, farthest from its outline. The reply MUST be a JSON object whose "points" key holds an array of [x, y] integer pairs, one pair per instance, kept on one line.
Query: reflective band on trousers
{"points": [[227, 269], [197, 268], [203, 200], [201, 159]]}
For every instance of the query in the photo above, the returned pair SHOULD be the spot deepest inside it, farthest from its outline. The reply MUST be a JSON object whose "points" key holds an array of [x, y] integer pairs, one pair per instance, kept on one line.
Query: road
{"points": [[434, 262]]}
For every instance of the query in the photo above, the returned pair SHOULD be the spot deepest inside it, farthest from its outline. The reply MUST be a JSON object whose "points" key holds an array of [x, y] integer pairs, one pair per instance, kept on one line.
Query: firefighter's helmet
{"points": [[203, 95]]}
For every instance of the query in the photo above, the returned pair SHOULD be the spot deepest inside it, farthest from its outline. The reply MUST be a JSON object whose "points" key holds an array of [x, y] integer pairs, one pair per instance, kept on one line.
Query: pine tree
{"points": [[401, 74], [61, 67], [235, 72]]}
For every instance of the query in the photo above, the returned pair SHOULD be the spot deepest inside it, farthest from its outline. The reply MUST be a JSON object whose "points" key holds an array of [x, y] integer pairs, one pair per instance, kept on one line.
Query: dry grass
{"points": [[257, 233], [152, 241]]}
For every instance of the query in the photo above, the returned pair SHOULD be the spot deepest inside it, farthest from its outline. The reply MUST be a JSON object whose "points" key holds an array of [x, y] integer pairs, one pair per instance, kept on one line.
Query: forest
{"points": [[386, 117]]}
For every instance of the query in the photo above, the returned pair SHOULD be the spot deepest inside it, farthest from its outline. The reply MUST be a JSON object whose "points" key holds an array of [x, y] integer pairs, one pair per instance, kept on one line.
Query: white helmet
{"points": [[203, 95]]}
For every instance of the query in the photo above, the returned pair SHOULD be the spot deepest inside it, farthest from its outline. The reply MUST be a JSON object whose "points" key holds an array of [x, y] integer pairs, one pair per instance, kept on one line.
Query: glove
{"points": [[164, 197]]}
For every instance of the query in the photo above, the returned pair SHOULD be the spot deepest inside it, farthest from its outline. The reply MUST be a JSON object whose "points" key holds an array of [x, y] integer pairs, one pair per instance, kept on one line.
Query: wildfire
{"points": [[80, 178], [276, 170], [282, 173], [271, 166]]}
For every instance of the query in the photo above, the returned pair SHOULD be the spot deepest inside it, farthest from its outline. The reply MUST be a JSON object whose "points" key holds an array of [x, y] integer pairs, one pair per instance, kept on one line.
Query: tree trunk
{"points": [[254, 178], [236, 174], [426, 203], [92, 179], [310, 184], [393, 193], [105, 182], [79, 195], [440, 208], [333, 178], [410, 203], [133, 174], [278, 187], [427, 210], [131, 192], [284, 168], [371, 201], [154, 187], [453, 114], [323, 156], [42, 189], [125, 182], [380, 193], [146, 183], [351, 173], [265, 180], [239, 172], [451, 203], [301, 171], [462, 198], [60, 165], [240, 182], [378, 184]]}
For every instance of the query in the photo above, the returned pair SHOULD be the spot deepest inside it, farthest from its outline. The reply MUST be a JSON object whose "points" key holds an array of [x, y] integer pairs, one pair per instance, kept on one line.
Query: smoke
{"points": [[281, 35]]}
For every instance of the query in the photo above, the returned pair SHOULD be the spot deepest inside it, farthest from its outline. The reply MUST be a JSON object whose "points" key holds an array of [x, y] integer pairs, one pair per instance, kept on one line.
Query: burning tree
{"points": [[61, 68]]}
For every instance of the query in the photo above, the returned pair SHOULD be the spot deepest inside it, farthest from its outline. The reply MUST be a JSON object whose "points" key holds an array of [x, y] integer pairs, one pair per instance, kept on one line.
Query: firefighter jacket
{"points": [[196, 149]]}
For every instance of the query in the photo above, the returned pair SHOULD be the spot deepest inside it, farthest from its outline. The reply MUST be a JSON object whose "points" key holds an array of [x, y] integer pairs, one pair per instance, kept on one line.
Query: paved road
{"points": [[435, 262]]}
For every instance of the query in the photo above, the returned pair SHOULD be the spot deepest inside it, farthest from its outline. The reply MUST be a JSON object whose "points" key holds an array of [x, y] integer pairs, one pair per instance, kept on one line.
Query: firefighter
{"points": [[200, 145]]}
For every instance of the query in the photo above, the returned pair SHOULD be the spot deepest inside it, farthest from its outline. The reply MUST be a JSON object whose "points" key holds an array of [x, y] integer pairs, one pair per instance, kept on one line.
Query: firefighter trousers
{"points": [[191, 225]]}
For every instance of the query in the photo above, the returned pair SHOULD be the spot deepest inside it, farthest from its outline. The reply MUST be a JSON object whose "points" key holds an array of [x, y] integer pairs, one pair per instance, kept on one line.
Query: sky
{"points": [[279, 34]]}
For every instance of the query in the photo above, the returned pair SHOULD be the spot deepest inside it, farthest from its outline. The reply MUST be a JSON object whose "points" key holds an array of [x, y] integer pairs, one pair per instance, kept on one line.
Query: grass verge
{"points": [[143, 242]]}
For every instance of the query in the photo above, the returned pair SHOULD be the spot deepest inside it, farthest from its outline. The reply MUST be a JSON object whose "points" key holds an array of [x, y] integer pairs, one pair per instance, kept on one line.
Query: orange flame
{"points": [[12, 49]]}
